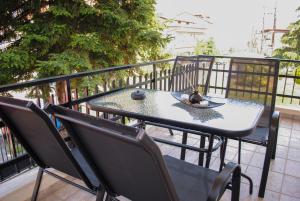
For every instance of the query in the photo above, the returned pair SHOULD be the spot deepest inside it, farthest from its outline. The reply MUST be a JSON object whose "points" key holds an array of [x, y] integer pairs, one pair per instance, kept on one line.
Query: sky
{"points": [[234, 21]]}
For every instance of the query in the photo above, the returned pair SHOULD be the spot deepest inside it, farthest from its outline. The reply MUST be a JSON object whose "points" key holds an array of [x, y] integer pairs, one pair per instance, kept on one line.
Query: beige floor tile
{"points": [[246, 157], [233, 143], [175, 152], [293, 168], [291, 186], [261, 149], [248, 146], [257, 160], [231, 152], [295, 143], [286, 132], [286, 122], [281, 151], [296, 125], [295, 134], [81, 196], [283, 141], [294, 154], [192, 156], [255, 174], [274, 182], [278, 165], [270, 196], [288, 198]]}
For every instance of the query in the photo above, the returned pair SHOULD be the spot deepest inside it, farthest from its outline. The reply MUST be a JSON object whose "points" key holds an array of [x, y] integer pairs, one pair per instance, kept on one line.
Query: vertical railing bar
{"points": [[146, 79], [260, 79], [223, 77], [168, 79], [268, 83], [185, 77], [165, 80], [140, 81], [127, 81], [86, 94], [237, 80], [189, 81], [245, 80], [69, 93], [176, 79], [160, 80], [285, 80], [134, 80], [154, 77], [151, 81], [96, 92], [293, 89], [203, 74], [197, 75], [76, 107], [216, 77], [38, 101], [252, 81], [193, 80]]}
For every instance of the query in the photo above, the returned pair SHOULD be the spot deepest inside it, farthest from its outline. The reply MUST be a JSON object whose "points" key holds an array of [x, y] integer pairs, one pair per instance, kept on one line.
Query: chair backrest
{"points": [[38, 135], [191, 73], [255, 80], [125, 158]]}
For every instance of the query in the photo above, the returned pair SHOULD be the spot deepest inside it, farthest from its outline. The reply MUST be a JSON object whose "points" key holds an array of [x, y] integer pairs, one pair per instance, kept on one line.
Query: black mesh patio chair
{"points": [[130, 164], [42, 141], [256, 80], [190, 73]]}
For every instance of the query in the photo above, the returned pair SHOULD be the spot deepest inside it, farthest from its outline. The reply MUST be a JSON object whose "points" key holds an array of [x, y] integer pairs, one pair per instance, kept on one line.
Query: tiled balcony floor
{"points": [[283, 182]]}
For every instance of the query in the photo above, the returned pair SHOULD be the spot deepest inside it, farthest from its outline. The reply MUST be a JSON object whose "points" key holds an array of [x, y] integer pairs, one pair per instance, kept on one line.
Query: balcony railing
{"points": [[76, 89]]}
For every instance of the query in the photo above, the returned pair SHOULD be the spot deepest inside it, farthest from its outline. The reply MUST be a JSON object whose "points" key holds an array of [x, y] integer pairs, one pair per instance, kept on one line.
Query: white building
{"points": [[186, 29]]}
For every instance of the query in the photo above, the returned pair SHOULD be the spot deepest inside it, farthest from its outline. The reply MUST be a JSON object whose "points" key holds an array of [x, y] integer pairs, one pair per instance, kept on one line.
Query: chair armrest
{"points": [[231, 173]]}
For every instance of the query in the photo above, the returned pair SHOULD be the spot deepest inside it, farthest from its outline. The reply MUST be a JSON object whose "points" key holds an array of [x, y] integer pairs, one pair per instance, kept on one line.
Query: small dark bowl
{"points": [[138, 95]]}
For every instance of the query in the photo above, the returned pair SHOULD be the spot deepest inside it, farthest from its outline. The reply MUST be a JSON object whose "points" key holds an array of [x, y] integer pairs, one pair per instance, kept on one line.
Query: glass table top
{"points": [[235, 118]]}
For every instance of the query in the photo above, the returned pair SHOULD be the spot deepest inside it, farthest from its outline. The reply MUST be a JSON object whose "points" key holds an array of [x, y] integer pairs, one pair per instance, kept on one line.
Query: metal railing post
{"points": [[68, 93], [154, 80]]}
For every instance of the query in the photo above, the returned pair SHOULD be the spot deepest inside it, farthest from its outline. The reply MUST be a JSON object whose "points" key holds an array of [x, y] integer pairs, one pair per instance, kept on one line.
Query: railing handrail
{"points": [[19, 85], [36, 82]]}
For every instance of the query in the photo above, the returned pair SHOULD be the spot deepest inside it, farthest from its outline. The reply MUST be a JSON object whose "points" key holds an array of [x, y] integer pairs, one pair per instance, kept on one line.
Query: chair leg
{"points": [[236, 184], [275, 144], [171, 132], [209, 151], [222, 154], [250, 183], [100, 195], [37, 184], [239, 151], [267, 161], [243, 175]]}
